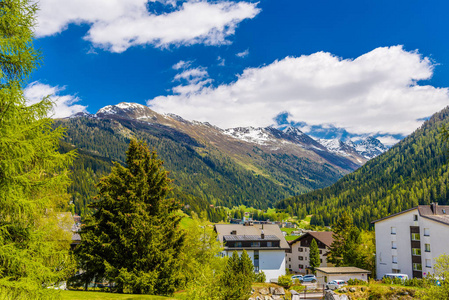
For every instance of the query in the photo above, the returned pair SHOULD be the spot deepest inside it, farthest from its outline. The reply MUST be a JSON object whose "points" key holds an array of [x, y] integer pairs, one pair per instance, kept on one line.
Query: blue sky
{"points": [[370, 67]]}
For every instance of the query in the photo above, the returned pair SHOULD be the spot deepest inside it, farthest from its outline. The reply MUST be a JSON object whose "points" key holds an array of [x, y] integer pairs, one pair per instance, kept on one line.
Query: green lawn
{"points": [[75, 295]]}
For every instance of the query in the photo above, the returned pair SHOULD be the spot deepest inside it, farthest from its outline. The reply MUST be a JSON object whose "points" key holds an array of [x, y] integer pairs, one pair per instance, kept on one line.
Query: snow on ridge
{"points": [[129, 105], [249, 134]]}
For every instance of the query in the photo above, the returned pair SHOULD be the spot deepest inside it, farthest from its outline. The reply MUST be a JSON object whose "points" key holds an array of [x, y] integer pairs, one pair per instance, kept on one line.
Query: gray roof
{"points": [[342, 270], [440, 215], [269, 230], [250, 238]]}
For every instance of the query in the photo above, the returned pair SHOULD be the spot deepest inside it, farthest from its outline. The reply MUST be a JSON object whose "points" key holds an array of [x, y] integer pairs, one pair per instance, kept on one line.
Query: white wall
{"points": [[384, 252], [438, 240], [271, 262]]}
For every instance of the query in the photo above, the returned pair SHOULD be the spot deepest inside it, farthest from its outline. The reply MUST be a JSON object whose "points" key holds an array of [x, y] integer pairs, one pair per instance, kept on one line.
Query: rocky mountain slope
{"points": [[251, 166]]}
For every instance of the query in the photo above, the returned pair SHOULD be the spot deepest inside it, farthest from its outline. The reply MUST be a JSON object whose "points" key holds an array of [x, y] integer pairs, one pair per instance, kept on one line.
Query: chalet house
{"points": [[409, 241], [297, 256], [264, 243]]}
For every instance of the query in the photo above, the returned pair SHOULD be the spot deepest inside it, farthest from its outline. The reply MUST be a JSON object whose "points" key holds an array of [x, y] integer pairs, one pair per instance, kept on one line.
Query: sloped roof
{"points": [[252, 230], [342, 270], [323, 236], [441, 214]]}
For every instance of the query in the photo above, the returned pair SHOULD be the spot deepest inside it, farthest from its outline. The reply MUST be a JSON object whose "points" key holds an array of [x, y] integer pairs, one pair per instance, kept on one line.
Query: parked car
{"points": [[309, 278], [403, 277], [335, 284], [296, 277]]}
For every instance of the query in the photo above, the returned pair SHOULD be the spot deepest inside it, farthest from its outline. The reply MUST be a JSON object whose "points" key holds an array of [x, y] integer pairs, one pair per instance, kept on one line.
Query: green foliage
{"points": [[33, 174], [357, 282], [133, 238], [352, 247], [238, 275], [314, 256], [285, 280], [413, 172], [441, 272], [260, 277]]}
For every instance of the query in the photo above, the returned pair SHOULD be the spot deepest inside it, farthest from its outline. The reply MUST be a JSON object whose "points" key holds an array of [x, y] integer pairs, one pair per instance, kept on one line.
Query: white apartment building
{"points": [[297, 257], [264, 243], [409, 241]]}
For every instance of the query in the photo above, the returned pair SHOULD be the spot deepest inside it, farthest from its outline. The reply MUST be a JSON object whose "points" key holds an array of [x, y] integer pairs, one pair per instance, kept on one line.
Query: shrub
{"points": [[285, 281], [260, 277], [357, 282]]}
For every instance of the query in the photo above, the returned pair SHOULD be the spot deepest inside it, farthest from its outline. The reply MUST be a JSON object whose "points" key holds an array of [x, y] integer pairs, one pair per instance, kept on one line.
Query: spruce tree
{"points": [[34, 247], [133, 239], [237, 277], [314, 256], [341, 230]]}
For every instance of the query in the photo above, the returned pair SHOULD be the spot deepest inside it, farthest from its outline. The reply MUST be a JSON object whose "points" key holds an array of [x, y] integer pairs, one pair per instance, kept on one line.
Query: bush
{"points": [[260, 277], [357, 282], [285, 281]]}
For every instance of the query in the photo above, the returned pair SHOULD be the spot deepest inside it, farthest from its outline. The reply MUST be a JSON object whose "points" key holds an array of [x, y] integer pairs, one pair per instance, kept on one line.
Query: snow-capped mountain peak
{"points": [[257, 135], [369, 147], [128, 110]]}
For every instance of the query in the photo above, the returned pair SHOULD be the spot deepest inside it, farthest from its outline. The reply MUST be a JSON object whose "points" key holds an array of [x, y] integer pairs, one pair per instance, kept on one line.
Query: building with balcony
{"points": [[409, 241], [297, 257], [264, 243]]}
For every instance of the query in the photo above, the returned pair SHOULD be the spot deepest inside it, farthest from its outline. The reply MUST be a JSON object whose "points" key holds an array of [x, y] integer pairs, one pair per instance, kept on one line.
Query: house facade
{"points": [[297, 256], [409, 241], [264, 243]]}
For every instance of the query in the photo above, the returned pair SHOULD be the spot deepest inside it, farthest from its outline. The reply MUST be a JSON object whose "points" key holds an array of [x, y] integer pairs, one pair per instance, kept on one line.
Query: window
{"points": [[289, 266], [396, 271], [427, 247], [238, 244], [416, 237], [300, 249], [255, 244], [393, 230], [415, 217], [321, 251], [321, 261], [417, 267], [256, 256], [416, 251], [394, 259], [393, 245], [289, 259], [300, 258], [428, 263], [426, 232], [269, 244], [301, 266]]}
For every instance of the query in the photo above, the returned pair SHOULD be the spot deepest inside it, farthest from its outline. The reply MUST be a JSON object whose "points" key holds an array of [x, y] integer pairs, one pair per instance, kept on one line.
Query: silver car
{"points": [[335, 284]]}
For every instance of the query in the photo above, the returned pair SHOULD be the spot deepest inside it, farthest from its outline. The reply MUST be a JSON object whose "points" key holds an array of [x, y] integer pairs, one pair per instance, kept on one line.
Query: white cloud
{"points": [[116, 25], [374, 93], [243, 54], [192, 79], [64, 104], [221, 61]]}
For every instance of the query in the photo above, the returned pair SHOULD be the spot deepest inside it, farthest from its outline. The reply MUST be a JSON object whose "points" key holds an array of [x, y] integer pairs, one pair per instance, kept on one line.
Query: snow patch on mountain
{"points": [[369, 147], [249, 134]]}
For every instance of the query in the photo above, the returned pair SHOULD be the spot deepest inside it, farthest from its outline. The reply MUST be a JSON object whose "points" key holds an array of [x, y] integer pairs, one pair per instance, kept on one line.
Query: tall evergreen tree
{"points": [[33, 174], [341, 230], [237, 277], [133, 239], [314, 256]]}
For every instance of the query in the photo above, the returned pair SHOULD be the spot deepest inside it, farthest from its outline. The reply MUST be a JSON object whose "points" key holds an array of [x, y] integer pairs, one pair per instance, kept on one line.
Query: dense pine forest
{"points": [[218, 181], [413, 172]]}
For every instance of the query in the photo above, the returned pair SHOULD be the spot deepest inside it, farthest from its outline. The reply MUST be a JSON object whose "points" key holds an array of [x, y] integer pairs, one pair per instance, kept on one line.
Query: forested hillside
{"points": [[199, 180], [415, 171]]}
